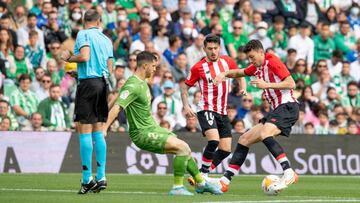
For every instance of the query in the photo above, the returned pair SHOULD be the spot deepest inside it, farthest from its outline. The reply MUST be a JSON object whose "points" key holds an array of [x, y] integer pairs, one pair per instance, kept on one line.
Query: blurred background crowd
{"points": [[318, 40]]}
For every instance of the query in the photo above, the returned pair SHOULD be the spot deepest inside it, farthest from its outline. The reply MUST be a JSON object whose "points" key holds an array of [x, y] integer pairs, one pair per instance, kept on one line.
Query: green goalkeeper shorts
{"points": [[152, 139]]}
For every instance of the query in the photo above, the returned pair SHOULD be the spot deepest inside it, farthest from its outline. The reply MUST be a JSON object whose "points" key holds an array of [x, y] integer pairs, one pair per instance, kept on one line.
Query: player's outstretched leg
{"points": [[223, 151], [182, 151], [239, 156], [201, 184], [289, 177], [100, 151], [86, 148]]}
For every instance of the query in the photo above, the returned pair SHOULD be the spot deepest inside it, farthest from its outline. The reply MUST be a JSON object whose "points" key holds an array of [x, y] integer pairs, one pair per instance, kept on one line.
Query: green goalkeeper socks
{"points": [[192, 168], [180, 165]]}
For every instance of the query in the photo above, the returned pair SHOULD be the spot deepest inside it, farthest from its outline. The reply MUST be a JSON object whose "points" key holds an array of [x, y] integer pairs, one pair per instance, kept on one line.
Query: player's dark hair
{"points": [[253, 44], [91, 15], [145, 57], [211, 38]]}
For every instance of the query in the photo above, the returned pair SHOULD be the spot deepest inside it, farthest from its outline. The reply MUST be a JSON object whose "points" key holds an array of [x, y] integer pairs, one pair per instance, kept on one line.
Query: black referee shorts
{"points": [[284, 117], [91, 101]]}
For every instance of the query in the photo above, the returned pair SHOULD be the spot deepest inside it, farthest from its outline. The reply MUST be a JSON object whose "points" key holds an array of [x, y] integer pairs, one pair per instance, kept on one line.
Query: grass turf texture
{"points": [[51, 188]]}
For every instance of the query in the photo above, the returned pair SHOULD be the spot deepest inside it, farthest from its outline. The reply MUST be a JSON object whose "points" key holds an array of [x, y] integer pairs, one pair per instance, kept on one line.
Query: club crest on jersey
{"points": [[124, 94]]}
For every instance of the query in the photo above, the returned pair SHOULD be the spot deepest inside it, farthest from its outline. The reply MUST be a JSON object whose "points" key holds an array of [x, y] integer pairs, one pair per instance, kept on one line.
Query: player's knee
{"points": [[183, 148], [245, 140]]}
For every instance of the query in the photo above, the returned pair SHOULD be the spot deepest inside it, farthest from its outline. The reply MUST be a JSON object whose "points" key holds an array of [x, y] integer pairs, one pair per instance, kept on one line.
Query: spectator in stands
{"points": [[266, 8], [145, 13], [354, 19], [53, 70], [43, 91], [352, 129], [235, 39], [145, 36], [218, 30], [241, 58], [34, 52], [109, 15], [309, 103], [352, 99], [203, 17], [5, 124], [300, 72], [344, 41], [23, 32], [165, 124], [335, 63], [131, 66], [355, 68], [6, 49], [332, 98], [324, 44], [309, 129], [323, 83], [253, 117], [36, 123], [235, 95], [42, 18], [298, 127], [54, 112], [173, 104], [5, 22], [214, 20], [239, 127], [246, 11], [343, 78], [330, 16], [188, 34], [306, 50], [5, 112], [312, 12], [35, 85], [260, 34], [175, 15], [20, 16], [231, 113], [341, 118], [22, 64], [244, 109], [323, 127], [55, 51], [195, 52], [161, 38], [191, 125], [161, 115], [278, 36], [333, 127], [23, 101], [180, 69], [174, 49]]}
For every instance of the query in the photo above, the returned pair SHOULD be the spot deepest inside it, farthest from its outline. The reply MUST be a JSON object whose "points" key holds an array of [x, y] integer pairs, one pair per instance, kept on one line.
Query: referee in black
{"points": [[93, 53]]}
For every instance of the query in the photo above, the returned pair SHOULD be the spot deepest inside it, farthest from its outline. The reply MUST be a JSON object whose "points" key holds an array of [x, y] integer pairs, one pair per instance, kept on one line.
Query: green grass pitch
{"points": [[51, 188]]}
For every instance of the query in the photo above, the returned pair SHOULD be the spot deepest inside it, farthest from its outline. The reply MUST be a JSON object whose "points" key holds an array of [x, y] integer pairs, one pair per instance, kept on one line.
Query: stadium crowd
{"points": [[318, 40]]}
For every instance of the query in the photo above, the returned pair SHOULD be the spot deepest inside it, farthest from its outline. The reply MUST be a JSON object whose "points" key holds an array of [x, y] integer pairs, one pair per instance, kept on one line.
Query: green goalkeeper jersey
{"points": [[135, 98]]}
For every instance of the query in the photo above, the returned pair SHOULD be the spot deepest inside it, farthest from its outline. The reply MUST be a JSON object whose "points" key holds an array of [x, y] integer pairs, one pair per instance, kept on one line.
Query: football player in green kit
{"points": [[135, 98]]}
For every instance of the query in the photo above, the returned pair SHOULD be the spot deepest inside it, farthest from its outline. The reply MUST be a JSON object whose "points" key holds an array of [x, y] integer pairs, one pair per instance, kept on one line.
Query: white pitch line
{"points": [[74, 191], [300, 200]]}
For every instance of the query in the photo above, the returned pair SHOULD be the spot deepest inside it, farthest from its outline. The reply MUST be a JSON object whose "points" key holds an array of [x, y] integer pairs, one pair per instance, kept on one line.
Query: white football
{"points": [[268, 184]]}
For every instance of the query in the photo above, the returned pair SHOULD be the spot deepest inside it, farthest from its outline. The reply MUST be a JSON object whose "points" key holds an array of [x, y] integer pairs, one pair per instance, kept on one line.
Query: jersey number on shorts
{"points": [[153, 136], [209, 117]]}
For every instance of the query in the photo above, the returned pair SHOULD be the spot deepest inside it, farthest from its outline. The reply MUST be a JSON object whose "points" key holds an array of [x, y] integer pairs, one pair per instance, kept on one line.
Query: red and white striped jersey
{"points": [[272, 71], [214, 98]]}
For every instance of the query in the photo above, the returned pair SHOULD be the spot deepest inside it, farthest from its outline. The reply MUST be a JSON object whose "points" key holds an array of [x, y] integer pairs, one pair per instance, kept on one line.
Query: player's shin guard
{"points": [[180, 167], [236, 161], [100, 150], [86, 148], [219, 156], [208, 155], [277, 151], [192, 168]]}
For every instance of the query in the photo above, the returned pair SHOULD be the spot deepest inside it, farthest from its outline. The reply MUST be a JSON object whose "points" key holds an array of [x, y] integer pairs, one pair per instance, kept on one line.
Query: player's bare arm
{"points": [[229, 74], [83, 56], [185, 100], [114, 112], [287, 83]]}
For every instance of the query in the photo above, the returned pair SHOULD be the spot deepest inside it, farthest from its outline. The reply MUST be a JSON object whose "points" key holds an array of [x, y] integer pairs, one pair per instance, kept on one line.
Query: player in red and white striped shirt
{"points": [[277, 84], [212, 108]]}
